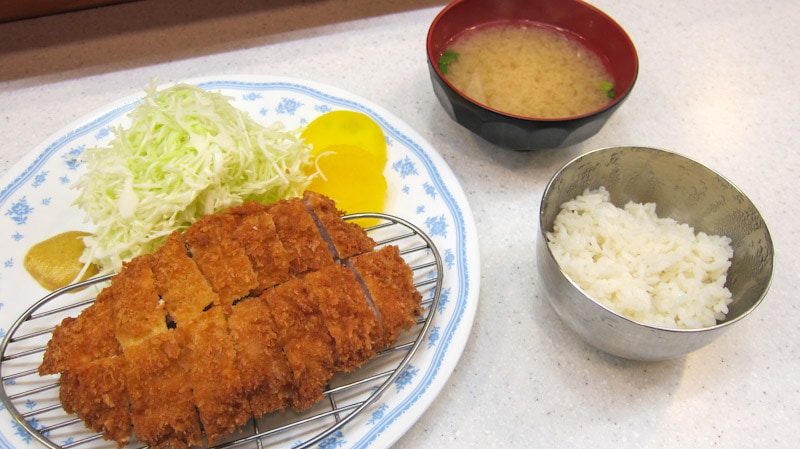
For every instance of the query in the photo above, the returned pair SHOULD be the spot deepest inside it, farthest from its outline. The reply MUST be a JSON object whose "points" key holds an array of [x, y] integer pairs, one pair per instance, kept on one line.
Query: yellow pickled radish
{"points": [[343, 127], [353, 178]]}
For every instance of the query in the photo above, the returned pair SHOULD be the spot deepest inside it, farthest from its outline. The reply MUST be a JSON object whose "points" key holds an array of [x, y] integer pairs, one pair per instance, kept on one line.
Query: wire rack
{"points": [[33, 403]]}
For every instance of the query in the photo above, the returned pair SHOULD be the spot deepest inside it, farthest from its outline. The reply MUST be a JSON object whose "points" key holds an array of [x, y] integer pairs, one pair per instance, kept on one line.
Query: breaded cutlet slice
{"points": [[162, 405], [263, 368], [216, 386], [391, 288], [186, 293], [346, 239], [350, 320], [305, 340], [138, 310], [222, 260], [97, 392], [299, 234], [87, 337], [202, 332], [162, 408], [257, 234]]}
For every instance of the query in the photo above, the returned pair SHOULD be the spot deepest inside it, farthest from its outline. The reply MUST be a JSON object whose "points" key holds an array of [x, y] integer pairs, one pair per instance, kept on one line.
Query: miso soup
{"points": [[528, 70]]}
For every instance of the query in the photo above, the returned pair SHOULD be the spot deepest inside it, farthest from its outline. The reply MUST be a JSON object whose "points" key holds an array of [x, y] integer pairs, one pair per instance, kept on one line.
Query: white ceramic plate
{"points": [[35, 203]]}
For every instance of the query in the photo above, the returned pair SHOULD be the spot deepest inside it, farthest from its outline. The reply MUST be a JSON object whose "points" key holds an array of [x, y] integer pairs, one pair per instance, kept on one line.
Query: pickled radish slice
{"points": [[343, 127], [353, 178]]}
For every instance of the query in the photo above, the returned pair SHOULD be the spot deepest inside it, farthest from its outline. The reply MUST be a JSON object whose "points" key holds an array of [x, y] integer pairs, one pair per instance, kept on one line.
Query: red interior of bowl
{"points": [[594, 28]]}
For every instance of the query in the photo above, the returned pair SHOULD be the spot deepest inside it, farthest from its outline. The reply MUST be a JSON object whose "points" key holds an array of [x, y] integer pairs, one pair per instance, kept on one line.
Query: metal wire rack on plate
{"points": [[33, 403]]}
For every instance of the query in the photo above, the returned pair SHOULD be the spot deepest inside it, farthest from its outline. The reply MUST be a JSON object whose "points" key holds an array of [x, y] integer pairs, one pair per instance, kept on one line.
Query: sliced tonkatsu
{"points": [[256, 232], [252, 310], [162, 406], [266, 375], [180, 284], [345, 239], [158, 383], [139, 312], [217, 389], [87, 337], [301, 237], [202, 333], [348, 316], [97, 392], [220, 256], [391, 288], [305, 340]]}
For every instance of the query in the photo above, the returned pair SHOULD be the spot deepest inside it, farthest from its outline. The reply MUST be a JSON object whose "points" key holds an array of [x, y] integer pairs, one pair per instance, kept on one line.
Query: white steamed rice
{"points": [[653, 270]]}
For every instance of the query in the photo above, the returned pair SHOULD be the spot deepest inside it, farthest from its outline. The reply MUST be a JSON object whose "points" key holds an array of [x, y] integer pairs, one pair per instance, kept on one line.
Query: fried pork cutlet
{"points": [[391, 288], [162, 406], [202, 333], [216, 386], [138, 310], [98, 393], [186, 293], [266, 305], [350, 320], [346, 239], [305, 340], [162, 409], [257, 234], [87, 337], [301, 237], [263, 368], [221, 258]]}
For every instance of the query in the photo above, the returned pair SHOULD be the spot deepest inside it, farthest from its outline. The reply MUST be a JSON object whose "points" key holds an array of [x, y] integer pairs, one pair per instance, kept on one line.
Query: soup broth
{"points": [[531, 71]]}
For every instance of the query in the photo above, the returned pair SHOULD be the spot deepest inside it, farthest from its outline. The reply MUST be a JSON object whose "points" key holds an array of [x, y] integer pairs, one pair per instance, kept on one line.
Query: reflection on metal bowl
{"points": [[683, 190]]}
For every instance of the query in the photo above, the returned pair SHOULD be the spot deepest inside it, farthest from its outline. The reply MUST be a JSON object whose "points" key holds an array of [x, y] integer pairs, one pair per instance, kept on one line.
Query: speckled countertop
{"points": [[718, 83]]}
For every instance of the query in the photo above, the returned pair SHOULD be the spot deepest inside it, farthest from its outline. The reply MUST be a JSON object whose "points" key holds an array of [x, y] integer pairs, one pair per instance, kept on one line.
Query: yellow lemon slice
{"points": [[353, 178], [346, 128]]}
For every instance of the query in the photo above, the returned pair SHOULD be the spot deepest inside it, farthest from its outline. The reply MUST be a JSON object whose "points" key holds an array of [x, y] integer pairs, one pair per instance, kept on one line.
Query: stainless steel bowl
{"points": [[682, 189]]}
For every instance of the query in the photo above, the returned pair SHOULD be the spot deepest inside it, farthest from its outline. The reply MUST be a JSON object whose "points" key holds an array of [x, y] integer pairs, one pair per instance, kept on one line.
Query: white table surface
{"points": [[718, 83]]}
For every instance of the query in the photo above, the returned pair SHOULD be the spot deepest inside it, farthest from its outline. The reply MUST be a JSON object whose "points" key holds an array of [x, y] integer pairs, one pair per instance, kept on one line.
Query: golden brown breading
{"points": [[162, 405], [182, 287], [87, 337], [202, 333], [263, 368], [305, 340], [391, 287], [138, 310], [347, 238], [348, 316], [97, 392], [257, 234], [300, 236], [182, 342], [216, 386], [221, 258], [162, 409]]}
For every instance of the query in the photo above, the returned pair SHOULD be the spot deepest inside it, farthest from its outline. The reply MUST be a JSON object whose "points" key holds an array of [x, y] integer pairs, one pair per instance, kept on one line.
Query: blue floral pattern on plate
{"points": [[35, 204]]}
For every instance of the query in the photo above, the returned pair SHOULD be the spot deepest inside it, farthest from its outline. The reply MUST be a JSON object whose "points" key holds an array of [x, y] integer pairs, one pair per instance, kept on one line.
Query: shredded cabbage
{"points": [[187, 152]]}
